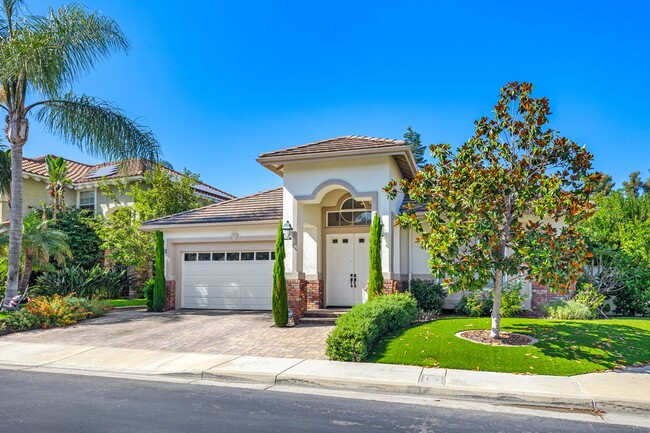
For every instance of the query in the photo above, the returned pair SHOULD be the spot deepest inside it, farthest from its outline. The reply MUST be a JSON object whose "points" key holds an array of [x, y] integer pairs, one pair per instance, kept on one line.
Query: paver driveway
{"points": [[236, 333]]}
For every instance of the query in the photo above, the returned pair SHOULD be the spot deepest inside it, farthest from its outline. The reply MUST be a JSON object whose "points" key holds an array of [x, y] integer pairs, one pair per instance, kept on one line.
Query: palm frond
{"points": [[99, 128], [55, 50]]}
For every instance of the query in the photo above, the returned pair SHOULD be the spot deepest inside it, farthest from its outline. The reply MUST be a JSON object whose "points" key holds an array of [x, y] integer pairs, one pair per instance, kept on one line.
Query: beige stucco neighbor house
{"points": [[84, 192], [221, 256]]}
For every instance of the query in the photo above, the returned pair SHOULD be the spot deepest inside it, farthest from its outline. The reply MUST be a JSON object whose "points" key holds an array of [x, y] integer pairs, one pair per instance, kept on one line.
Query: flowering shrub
{"points": [[50, 312]]}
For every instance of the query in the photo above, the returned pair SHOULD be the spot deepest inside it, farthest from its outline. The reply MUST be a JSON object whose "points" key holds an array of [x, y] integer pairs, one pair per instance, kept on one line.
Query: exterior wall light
{"points": [[287, 229]]}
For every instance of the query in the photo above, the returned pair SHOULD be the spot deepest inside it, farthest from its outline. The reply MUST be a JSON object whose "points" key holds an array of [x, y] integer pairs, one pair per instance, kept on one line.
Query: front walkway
{"points": [[232, 333]]}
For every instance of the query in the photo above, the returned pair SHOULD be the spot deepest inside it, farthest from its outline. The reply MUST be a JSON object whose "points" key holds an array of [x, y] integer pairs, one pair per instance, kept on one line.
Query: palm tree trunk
{"points": [[15, 221], [27, 271], [16, 131]]}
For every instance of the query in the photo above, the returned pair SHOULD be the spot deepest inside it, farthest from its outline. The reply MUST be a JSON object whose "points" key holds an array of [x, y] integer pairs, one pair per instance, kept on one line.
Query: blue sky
{"points": [[220, 82]]}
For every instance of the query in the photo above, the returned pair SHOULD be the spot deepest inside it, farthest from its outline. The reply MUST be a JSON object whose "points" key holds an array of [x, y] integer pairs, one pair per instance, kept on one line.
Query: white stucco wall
{"points": [[179, 236], [365, 176]]}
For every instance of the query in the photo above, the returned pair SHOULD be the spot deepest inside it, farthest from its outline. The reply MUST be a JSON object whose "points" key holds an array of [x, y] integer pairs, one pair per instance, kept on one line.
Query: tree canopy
{"points": [[505, 203], [417, 148]]}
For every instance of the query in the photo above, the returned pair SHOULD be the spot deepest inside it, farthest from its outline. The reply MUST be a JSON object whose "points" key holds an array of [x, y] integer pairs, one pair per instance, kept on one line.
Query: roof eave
{"points": [[156, 227], [276, 163]]}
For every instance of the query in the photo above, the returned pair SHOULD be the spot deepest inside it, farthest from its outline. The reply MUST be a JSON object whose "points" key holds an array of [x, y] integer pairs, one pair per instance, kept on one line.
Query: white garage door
{"points": [[230, 280]]}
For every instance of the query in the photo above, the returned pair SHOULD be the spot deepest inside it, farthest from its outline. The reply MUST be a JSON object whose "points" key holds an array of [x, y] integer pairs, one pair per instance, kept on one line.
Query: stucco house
{"points": [[221, 256], [84, 191]]}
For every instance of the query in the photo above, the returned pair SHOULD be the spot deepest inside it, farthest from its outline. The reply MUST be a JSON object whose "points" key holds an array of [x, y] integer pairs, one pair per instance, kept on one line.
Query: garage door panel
{"points": [[212, 303], [217, 284]]}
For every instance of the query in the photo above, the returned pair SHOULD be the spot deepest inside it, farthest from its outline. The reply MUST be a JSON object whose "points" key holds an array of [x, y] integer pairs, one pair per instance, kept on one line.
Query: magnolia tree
{"points": [[506, 203]]}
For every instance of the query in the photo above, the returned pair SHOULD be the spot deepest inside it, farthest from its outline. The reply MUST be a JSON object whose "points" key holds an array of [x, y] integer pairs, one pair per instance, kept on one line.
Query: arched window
{"points": [[351, 213]]}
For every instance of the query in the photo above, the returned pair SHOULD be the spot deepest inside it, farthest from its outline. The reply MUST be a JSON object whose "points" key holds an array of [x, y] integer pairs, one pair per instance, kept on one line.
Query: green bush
{"points": [[479, 304], [159, 274], [147, 291], [85, 283], [79, 227], [511, 300], [50, 312], [96, 307], [584, 305], [361, 327], [429, 295], [566, 310]]}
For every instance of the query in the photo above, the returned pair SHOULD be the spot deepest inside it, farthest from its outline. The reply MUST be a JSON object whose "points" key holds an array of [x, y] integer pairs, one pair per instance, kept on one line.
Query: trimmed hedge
{"points": [[361, 327]]}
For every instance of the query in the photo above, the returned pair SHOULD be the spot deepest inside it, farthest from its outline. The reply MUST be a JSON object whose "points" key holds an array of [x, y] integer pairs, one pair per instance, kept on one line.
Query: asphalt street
{"points": [[43, 402]]}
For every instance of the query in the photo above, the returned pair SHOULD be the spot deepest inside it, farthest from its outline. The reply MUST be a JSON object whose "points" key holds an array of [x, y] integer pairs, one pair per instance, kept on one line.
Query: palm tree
{"points": [[40, 242], [57, 170], [41, 57]]}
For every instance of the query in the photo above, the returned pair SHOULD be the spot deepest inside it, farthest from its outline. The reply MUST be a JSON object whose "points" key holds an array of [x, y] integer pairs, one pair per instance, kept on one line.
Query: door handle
{"points": [[351, 279], [355, 280]]}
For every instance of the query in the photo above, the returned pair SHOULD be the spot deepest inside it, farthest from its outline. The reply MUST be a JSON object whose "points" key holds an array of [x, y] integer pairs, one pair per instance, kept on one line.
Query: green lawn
{"points": [[565, 347], [128, 302]]}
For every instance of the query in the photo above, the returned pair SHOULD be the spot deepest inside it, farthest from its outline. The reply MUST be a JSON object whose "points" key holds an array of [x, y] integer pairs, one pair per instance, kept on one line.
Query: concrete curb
{"points": [[609, 392]]}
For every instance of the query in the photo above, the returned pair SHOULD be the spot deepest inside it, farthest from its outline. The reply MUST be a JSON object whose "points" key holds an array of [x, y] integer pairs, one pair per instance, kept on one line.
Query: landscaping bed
{"points": [[565, 347]]}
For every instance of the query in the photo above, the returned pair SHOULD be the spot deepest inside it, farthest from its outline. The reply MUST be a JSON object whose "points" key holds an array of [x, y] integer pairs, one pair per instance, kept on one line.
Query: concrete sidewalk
{"points": [[620, 391]]}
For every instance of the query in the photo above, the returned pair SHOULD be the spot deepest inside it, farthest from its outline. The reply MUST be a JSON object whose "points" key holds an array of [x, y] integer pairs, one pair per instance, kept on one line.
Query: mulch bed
{"points": [[507, 338]]}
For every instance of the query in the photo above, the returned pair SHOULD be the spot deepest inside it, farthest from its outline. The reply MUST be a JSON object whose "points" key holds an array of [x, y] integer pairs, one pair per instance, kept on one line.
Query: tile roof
{"points": [[80, 173], [339, 144], [262, 206]]}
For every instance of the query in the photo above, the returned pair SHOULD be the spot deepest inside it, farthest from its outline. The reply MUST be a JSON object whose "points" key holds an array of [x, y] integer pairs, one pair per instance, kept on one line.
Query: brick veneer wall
{"points": [[170, 295], [394, 286], [315, 298], [542, 294], [297, 298]]}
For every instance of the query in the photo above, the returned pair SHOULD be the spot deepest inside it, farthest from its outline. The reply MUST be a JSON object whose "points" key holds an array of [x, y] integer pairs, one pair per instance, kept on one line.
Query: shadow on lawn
{"points": [[607, 344]]}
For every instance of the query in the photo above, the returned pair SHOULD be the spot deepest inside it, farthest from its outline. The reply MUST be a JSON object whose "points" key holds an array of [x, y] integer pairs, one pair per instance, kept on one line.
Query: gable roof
{"points": [[338, 144], [80, 173], [348, 145], [262, 206]]}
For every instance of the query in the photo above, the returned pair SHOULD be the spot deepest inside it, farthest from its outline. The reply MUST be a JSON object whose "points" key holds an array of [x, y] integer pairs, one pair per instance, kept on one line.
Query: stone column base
{"points": [[170, 295], [297, 298], [315, 298], [394, 286]]}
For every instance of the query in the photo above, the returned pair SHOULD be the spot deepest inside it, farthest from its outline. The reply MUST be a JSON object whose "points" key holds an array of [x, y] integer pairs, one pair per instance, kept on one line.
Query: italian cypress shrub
{"points": [[280, 305], [159, 274], [375, 277]]}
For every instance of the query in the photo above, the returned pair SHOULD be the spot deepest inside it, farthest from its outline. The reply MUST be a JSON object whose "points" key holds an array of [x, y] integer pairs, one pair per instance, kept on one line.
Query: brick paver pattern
{"points": [[230, 333]]}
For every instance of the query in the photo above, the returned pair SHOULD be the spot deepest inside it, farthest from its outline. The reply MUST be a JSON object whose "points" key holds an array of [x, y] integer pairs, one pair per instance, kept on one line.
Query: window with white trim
{"points": [[87, 200], [351, 213]]}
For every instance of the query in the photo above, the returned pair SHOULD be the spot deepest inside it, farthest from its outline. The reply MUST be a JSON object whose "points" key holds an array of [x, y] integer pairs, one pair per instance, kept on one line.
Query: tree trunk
{"points": [[496, 307], [16, 131], [27, 271]]}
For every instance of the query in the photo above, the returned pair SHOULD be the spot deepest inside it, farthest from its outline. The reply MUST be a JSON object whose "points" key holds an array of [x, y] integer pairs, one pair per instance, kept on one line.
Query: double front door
{"points": [[347, 269]]}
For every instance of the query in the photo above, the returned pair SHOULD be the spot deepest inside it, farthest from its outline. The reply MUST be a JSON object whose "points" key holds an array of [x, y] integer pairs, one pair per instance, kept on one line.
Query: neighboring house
{"points": [[221, 256], [84, 191]]}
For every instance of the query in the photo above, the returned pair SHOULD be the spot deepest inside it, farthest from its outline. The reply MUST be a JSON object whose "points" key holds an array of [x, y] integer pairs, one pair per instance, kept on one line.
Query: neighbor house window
{"points": [[351, 213], [87, 200]]}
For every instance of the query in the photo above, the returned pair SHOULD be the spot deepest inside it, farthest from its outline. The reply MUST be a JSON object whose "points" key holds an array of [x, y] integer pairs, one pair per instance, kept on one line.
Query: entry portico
{"points": [[331, 190]]}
